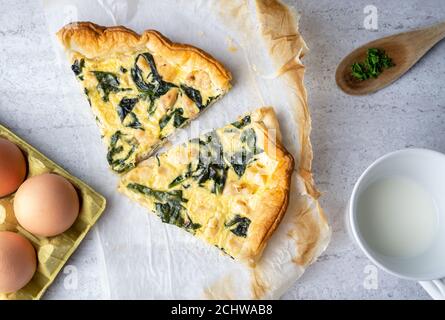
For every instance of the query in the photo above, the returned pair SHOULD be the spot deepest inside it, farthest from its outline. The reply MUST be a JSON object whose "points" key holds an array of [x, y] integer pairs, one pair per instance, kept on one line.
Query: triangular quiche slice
{"points": [[229, 187], [141, 88]]}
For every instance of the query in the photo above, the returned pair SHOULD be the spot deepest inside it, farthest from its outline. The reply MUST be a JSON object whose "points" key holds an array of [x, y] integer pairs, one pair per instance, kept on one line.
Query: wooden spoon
{"points": [[405, 49]]}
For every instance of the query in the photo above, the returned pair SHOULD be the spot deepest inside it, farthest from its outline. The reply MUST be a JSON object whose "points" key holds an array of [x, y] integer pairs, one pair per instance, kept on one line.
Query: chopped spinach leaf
{"points": [[132, 121], [240, 160], [126, 105], [211, 166], [182, 177], [174, 195], [78, 66], [153, 86], [178, 119], [165, 119], [242, 122], [193, 95], [169, 206], [120, 150], [107, 83], [151, 108], [192, 226], [85, 90], [170, 212], [249, 138], [240, 225]]}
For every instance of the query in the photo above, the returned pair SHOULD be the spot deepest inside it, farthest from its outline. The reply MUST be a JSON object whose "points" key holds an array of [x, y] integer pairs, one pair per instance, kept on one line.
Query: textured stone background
{"points": [[348, 132]]}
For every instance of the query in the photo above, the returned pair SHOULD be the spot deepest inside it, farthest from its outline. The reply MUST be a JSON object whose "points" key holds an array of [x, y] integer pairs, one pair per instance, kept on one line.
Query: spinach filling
{"points": [[196, 97], [87, 93], [132, 121], [176, 115], [151, 87], [239, 225], [210, 168], [121, 151], [211, 165], [78, 66], [126, 114], [212, 162], [107, 83], [242, 122], [169, 206], [241, 159], [126, 105]]}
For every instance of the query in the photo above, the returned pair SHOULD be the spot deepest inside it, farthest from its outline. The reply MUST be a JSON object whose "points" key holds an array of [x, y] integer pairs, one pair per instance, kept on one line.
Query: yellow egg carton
{"points": [[52, 252]]}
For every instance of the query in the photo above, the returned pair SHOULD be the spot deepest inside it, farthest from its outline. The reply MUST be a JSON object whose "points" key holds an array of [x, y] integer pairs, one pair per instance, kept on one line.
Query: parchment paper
{"points": [[259, 42]]}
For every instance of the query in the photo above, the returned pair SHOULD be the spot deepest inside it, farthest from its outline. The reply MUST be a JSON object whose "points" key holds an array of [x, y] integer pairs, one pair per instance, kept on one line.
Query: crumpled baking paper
{"points": [[259, 42]]}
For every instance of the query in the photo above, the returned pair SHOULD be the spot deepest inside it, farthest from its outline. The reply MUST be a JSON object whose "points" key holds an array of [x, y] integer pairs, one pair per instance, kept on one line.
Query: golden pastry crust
{"points": [[272, 208], [260, 193], [94, 41]]}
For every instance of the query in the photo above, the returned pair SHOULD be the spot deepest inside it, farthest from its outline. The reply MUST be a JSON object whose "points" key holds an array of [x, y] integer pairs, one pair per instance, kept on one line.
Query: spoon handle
{"points": [[430, 36]]}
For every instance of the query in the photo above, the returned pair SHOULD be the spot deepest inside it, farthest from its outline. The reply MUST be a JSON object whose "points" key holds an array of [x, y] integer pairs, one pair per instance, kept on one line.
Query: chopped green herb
{"points": [[376, 61], [123, 70]]}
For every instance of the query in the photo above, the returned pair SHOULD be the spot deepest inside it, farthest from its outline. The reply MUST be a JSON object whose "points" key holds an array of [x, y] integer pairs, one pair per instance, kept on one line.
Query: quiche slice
{"points": [[141, 88], [229, 187]]}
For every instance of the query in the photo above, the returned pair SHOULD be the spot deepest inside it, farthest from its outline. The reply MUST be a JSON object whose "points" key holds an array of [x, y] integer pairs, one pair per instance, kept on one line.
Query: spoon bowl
{"points": [[405, 49]]}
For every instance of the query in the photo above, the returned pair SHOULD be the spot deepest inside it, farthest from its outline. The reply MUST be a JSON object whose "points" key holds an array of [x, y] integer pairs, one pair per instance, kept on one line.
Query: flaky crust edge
{"points": [[252, 250], [94, 41]]}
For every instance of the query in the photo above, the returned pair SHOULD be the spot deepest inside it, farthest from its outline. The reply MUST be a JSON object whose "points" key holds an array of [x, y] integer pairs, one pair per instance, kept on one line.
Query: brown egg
{"points": [[17, 261], [12, 167], [46, 205]]}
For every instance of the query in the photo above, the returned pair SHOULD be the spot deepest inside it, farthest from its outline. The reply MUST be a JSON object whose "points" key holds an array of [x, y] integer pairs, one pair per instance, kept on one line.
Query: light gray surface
{"points": [[348, 132]]}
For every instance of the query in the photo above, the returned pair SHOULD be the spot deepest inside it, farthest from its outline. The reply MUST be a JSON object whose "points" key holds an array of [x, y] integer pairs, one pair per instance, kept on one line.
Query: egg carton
{"points": [[52, 252]]}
